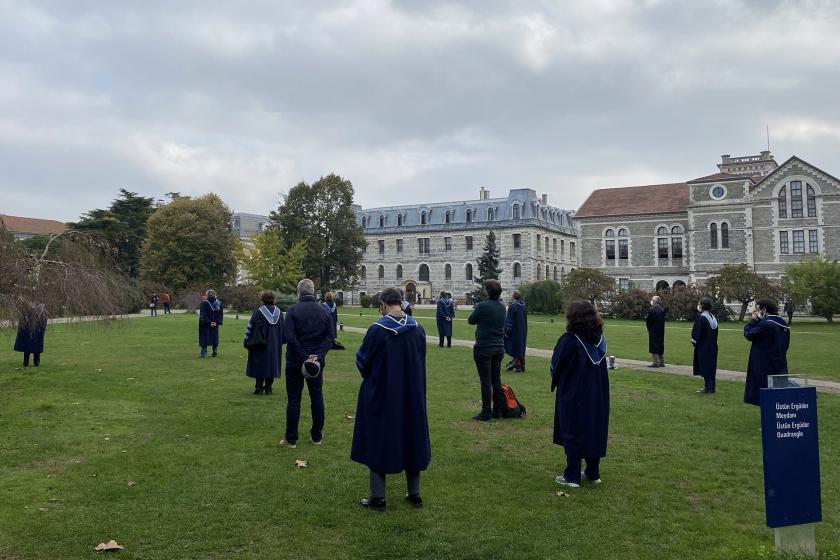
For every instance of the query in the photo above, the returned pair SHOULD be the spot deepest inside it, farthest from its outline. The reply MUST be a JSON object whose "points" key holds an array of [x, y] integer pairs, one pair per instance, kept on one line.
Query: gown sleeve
{"points": [[367, 351], [559, 360]]}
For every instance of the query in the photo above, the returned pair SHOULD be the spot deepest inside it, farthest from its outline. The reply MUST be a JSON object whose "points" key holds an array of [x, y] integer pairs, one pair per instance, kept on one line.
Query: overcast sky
{"points": [[412, 101]]}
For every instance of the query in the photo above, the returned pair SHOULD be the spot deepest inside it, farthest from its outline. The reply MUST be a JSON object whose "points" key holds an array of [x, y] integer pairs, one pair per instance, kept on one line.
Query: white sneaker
{"points": [[316, 442], [584, 477], [559, 479], [284, 443]]}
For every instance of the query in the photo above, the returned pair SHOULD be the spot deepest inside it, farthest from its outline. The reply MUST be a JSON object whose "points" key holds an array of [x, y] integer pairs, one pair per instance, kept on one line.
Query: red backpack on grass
{"points": [[513, 408]]}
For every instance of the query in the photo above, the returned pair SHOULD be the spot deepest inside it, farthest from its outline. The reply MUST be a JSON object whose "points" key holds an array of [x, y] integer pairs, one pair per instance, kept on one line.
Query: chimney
{"points": [[544, 200], [483, 194]]}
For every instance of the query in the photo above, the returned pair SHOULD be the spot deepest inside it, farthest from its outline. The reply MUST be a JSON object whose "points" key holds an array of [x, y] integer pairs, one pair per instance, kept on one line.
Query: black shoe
{"points": [[215, 354], [415, 500], [258, 391], [497, 415], [268, 390], [482, 417], [376, 504]]}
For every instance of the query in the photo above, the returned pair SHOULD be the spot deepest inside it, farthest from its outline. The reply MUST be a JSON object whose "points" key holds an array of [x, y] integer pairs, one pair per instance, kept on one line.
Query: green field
{"points": [[813, 347], [134, 403]]}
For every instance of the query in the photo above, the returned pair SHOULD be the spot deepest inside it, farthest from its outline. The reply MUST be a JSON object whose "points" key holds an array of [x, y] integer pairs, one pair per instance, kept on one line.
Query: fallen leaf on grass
{"points": [[55, 501], [110, 545], [132, 483], [301, 463], [98, 369], [93, 475], [562, 495], [349, 416], [42, 509]]}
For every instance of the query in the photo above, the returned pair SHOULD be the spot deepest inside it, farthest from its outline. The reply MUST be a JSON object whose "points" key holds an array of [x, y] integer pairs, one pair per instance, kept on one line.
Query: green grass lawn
{"points": [[813, 348], [134, 403]]}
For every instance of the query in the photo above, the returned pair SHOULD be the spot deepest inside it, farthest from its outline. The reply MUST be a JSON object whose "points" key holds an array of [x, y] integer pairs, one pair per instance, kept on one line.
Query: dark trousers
{"points": [[263, 382], [36, 355], [572, 472], [167, 308], [709, 384], [294, 392], [790, 318], [489, 366], [377, 483], [153, 311], [204, 350], [448, 341]]}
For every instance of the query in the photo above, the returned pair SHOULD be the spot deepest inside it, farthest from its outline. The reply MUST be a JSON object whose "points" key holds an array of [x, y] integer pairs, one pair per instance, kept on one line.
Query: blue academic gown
{"points": [[265, 362], [445, 308], [209, 312], [704, 336], [30, 338], [516, 329], [391, 433], [770, 339], [332, 309], [582, 402], [655, 322]]}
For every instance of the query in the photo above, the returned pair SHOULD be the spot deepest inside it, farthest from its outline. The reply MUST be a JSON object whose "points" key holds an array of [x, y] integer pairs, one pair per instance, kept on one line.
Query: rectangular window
{"points": [[539, 243], [572, 249], [423, 245], [676, 247], [381, 244], [795, 200], [609, 244], [447, 243], [662, 247], [798, 241], [469, 240], [623, 249], [517, 241], [784, 243], [399, 246], [546, 246], [783, 203], [813, 243], [812, 202], [554, 247], [623, 283], [562, 249]]}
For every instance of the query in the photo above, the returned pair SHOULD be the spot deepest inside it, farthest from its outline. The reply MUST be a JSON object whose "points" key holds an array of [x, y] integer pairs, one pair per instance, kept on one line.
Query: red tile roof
{"points": [[34, 226], [716, 177], [647, 199]]}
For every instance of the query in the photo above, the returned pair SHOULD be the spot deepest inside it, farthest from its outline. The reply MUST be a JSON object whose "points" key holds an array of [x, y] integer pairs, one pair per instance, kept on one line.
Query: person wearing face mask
{"points": [[391, 431], [770, 338], [655, 322], [210, 317], [704, 338]]}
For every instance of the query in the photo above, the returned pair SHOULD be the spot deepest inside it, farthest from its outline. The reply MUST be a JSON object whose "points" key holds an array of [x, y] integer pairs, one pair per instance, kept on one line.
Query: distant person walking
{"points": [[167, 303], [582, 401], [391, 431], [30, 334], [444, 315], [309, 334], [655, 321], [489, 319], [516, 332], [790, 308], [704, 337], [153, 301], [264, 342], [770, 337], [210, 318]]}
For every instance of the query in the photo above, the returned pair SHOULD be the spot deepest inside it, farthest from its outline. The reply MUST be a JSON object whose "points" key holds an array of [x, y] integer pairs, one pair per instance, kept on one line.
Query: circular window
{"points": [[718, 192]]}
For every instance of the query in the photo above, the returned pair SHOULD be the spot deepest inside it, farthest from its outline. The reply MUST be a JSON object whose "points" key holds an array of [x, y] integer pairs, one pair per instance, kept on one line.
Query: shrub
{"points": [[365, 300], [240, 298], [630, 304], [543, 297], [681, 304]]}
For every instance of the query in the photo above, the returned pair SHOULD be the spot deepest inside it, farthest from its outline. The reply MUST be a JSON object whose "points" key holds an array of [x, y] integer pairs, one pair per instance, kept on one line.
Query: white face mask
{"points": [[699, 309]]}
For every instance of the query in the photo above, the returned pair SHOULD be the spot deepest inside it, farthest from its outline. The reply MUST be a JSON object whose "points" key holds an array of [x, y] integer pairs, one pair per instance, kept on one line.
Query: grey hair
{"points": [[210, 293], [656, 299], [306, 287]]}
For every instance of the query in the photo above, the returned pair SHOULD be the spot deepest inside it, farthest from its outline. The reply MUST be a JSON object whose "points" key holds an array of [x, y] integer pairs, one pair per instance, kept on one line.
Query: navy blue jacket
{"points": [[265, 361], [445, 308], [582, 404], [704, 337], [308, 329], [770, 339], [391, 433], [516, 329]]}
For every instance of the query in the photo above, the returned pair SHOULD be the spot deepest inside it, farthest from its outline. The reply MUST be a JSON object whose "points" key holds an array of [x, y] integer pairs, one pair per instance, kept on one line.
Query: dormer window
{"points": [[490, 215], [469, 216], [448, 217], [381, 221], [400, 219], [424, 218], [515, 211]]}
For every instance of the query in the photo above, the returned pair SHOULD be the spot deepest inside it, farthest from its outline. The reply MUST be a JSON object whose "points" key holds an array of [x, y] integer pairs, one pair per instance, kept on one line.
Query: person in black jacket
{"points": [[309, 333], [489, 319], [770, 337], [655, 322], [704, 338]]}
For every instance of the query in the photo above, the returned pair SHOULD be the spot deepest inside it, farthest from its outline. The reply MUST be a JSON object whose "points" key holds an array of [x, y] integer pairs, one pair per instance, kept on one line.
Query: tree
{"points": [[190, 242], [589, 284], [543, 297], [488, 266], [271, 265], [816, 281], [321, 214], [123, 225], [739, 283]]}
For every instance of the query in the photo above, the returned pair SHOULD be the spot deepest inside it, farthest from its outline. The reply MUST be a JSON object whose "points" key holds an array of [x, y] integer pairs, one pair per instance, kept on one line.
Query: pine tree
{"points": [[488, 266]]}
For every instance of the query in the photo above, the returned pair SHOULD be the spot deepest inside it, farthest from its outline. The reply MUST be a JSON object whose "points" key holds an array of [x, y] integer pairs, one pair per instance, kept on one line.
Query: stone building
{"points": [[751, 211], [428, 248]]}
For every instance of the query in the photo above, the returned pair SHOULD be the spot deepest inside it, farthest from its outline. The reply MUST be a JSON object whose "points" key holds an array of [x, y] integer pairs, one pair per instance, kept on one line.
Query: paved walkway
{"points": [[822, 386]]}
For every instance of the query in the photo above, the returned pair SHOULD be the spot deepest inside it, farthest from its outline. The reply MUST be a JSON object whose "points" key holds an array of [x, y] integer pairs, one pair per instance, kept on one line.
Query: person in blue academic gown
{"points": [[582, 403], [264, 342], [30, 335], [391, 433], [210, 317], [704, 336], [445, 314], [770, 337], [516, 332], [332, 309]]}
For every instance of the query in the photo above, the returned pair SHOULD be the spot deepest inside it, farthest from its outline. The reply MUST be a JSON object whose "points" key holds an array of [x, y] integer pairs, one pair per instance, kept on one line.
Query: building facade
{"points": [[428, 248], [751, 211]]}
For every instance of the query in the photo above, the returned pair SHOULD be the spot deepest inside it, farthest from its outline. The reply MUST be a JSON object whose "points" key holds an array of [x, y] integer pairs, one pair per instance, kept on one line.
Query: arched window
{"points": [[555, 274], [448, 217], [783, 202], [490, 215], [363, 274], [381, 272], [812, 201], [546, 272], [609, 245], [676, 230], [364, 221], [724, 235], [609, 233], [447, 272], [623, 245], [622, 232], [468, 272], [469, 216], [661, 231], [677, 242], [517, 271], [423, 218], [381, 221], [539, 273], [796, 199], [399, 219], [515, 211], [713, 237], [399, 272], [423, 273]]}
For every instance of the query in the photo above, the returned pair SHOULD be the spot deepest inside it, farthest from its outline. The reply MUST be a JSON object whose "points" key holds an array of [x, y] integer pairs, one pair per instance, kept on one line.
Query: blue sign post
{"points": [[791, 465]]}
